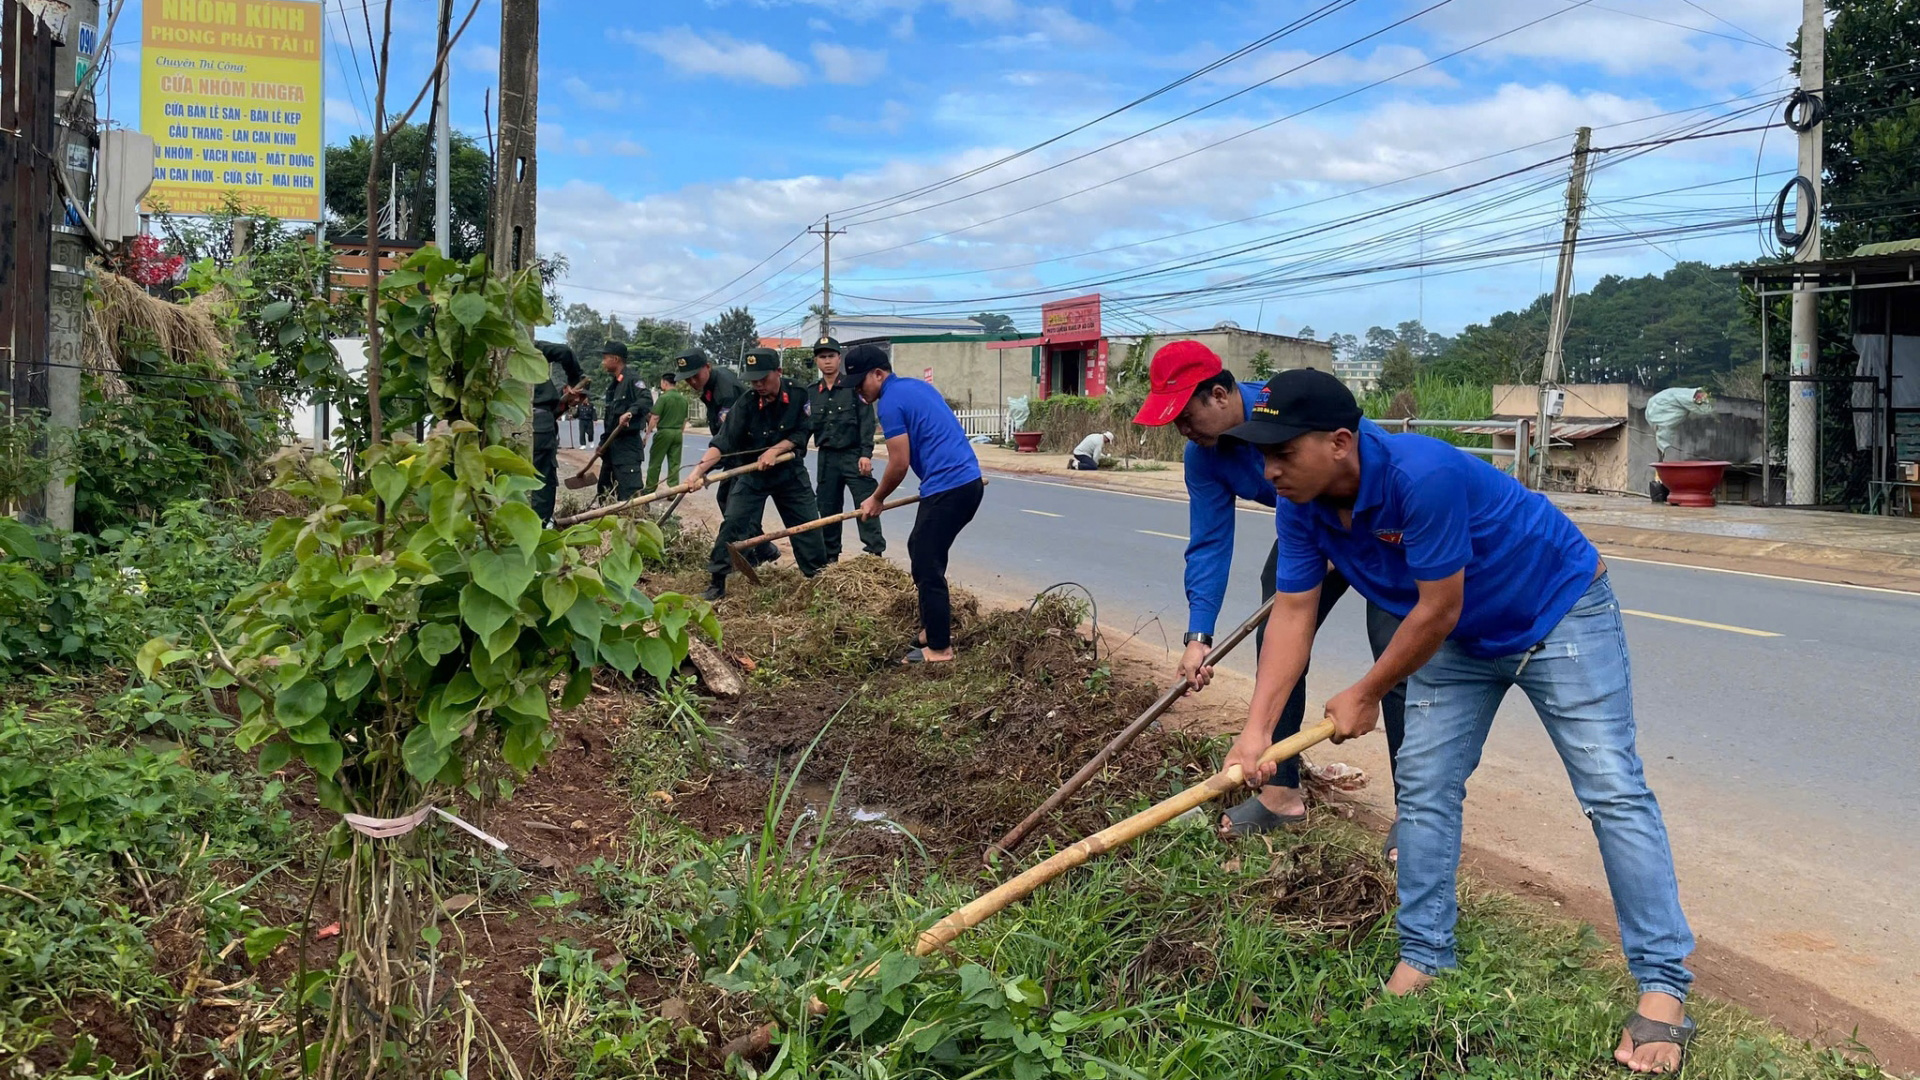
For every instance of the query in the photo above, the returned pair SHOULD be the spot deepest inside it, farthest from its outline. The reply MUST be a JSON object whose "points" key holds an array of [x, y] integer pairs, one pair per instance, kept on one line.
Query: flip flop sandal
{"points": [[1643, 1030], [1252, 818], [919, 656], [1390, 847]]}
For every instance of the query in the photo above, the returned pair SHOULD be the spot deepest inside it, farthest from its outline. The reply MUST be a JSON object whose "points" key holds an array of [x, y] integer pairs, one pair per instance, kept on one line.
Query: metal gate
{"points": [[27, 199]]}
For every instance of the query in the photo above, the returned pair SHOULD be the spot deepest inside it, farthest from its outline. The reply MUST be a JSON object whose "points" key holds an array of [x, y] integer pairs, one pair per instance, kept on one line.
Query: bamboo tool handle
{"points": [[818, 523], [677, 489], [1125, 738], [1113, 836]]}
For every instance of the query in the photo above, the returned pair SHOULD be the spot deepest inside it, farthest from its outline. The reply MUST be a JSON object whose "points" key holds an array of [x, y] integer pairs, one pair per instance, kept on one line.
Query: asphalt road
{"points": [[1801, 695]]}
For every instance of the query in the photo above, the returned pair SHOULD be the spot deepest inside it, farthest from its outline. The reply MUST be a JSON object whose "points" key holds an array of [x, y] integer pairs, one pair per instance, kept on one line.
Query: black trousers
{"points": [[935, 526], [1381, 625], [839, 473], [792, 496], [546, 459]]}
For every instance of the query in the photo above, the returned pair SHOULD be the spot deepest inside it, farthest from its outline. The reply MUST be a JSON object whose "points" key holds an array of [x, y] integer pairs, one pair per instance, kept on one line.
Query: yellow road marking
{"points": [[1699, 623], [1170, 536], [1041, 513]]}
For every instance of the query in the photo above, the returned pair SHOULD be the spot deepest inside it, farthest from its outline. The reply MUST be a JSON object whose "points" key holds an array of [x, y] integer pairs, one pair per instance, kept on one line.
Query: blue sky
{"points": [[682, 143]]}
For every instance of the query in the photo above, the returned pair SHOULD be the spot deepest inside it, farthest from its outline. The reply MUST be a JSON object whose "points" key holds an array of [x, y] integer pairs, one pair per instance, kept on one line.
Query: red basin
{"points": [[1027, 442], [1691, 483]]}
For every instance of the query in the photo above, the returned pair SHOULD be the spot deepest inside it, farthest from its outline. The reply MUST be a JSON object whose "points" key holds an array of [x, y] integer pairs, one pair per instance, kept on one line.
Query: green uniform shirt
{"points": [[841, 421], [672, 411], [755, 423]]}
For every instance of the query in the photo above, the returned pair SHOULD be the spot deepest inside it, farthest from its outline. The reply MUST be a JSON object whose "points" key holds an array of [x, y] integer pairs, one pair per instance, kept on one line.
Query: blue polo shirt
{"points": [[937, 445], [1216, 476], [1426, 511]]}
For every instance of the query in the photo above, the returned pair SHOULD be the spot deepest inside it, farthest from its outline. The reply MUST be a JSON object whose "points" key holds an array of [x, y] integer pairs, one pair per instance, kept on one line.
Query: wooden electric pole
{"points": [[1554, 361], [511, 245], [826, 232], [1803, 404]]}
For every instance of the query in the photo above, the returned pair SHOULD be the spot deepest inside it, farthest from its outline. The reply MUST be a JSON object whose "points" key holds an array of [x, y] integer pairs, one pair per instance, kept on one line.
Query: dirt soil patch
{"points": [[954, 754]]}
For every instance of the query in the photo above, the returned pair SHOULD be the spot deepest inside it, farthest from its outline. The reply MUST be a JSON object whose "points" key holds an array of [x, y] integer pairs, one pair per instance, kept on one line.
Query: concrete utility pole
{"points": [[1552, 364], [443, 140], [826, 232], [515, 173], [70, 248], [1803, 404]]}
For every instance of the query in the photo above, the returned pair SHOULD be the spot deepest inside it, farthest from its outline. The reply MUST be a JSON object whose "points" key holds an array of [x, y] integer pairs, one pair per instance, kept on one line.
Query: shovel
{"points": [[1124, 739], [677, 489], [940, 934], [588, 474], [741, 564]]}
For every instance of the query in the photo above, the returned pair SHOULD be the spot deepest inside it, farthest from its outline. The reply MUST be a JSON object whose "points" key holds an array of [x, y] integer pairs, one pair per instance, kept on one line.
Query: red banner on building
{"points": [[1077, 319]]}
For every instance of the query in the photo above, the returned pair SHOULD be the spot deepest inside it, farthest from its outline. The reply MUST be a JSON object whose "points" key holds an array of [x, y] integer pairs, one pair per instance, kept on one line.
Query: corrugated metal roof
{"points": [[1564, 432], [1890, 247]]}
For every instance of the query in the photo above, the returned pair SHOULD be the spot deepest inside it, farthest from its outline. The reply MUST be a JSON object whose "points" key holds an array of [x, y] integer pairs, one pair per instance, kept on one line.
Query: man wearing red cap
{"points": [[1192, 390]]}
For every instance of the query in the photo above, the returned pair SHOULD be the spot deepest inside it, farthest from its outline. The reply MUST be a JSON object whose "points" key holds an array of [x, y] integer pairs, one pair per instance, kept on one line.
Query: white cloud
{"points": [[684, 242], [626, 148], [1634, 37], [849, 66], [555, 139], [819, 26], [902, 29], [593, 97], [1340, 69], [478, 58], [891, 121], [719, 55]]}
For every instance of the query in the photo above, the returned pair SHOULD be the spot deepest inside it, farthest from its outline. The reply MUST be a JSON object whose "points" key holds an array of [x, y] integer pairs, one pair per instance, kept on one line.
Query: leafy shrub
{"points": [[98, 840], [80, 601]]}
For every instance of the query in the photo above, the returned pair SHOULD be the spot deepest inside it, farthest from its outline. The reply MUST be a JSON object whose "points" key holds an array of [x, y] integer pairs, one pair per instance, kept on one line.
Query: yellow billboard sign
{"points": [[230, 92]]}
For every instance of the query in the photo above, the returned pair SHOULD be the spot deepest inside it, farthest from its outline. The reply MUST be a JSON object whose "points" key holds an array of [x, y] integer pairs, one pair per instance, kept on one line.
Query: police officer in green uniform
{"points": [[762, 425], [549, 401], [627, 398], [717, 389], [843, 430]]}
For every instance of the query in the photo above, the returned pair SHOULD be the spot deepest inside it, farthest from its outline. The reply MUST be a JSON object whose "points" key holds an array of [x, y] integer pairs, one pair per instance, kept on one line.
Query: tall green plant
{"points": [[425, 627]]}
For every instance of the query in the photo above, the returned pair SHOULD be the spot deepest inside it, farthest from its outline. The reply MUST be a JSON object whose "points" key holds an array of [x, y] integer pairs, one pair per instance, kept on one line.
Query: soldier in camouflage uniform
{"points": [[843, 430], [769, 421]]}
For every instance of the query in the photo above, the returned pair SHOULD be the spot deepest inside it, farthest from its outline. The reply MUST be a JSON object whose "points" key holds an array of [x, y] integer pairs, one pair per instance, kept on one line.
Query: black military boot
{"points": [[717, 589]]}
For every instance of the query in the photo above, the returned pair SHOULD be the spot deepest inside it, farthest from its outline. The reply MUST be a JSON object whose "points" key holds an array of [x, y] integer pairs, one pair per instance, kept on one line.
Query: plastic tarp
{"points": [[1872, 350]]}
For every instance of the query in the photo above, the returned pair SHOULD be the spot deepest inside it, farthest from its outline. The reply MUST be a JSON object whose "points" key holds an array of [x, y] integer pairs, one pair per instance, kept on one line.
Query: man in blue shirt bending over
{"points": [[1193, 391], [1495, 588], [921, 430]]}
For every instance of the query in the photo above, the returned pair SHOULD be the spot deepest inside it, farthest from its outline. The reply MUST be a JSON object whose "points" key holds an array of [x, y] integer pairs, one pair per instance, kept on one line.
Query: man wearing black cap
{"points": [[717, 389], [922, 432], [628, 400], [762, 425], [1496, 588], [843, 430], [549, 401]]}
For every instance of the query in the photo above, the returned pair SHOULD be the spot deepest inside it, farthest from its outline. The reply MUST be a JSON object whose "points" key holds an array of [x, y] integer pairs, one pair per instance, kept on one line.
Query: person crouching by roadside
{"points": [[1086, 456]]}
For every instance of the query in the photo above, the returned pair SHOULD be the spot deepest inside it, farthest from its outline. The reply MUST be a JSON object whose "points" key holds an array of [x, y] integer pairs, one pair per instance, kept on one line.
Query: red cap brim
{"points": [[1162, 406]]}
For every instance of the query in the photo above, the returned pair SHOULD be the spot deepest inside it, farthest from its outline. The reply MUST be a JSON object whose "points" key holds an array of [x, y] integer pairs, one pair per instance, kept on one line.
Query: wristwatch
{"points": [[1204, 639]]}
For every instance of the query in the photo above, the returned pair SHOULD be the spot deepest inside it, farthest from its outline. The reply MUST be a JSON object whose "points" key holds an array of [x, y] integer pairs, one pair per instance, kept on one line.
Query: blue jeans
{"points": [[1581, 684]]}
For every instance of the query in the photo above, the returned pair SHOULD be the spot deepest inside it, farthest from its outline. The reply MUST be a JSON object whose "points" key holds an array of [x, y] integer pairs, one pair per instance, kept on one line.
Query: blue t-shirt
{"points": [[1426, 511], [1216, 476], [940, 454]]}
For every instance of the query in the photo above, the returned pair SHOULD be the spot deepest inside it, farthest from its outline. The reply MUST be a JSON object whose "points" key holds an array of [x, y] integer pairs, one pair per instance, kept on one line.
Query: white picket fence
{"points": [[989, 422]]}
